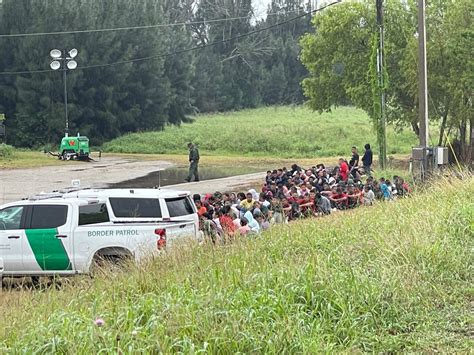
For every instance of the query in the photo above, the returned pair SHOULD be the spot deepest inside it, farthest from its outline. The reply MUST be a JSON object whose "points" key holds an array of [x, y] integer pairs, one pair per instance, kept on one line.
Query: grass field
{"points": [[27, 159], [396, 277], [291, 132]]}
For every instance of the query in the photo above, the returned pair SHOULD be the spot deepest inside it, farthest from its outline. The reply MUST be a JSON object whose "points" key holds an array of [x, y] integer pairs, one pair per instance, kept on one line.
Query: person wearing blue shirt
{"points": [[385, 190]]}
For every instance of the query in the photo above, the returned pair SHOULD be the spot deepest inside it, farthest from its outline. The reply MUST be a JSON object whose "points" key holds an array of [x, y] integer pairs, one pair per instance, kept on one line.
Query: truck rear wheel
{"points": [[110, 260]]}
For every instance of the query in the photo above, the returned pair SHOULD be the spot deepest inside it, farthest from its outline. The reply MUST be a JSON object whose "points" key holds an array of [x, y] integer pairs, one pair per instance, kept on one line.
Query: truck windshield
{"points": [[136, 207], [10, 217], [179, 206]]}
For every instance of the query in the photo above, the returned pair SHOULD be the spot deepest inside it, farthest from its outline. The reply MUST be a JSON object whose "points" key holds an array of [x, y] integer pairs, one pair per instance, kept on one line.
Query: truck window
{"points": [[48, 216], [136, 207], [180, 206], [92, 214], [10, 217]]}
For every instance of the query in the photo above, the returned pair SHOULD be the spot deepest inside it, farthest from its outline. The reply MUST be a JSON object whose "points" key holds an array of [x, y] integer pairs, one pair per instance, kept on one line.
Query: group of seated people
{"points": [[288, 195]]}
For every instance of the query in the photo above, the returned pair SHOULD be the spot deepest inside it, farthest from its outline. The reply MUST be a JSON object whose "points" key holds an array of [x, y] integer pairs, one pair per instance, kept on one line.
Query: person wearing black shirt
{"points": [[367, 159], [354, 162]]}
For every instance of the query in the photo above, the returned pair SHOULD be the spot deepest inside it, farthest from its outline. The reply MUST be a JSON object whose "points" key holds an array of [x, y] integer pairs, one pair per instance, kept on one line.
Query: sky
{"points": [[260, 7]]}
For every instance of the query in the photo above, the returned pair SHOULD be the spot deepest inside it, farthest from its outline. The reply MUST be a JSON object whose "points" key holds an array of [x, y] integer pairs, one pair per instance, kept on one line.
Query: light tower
{"points": [[64, 60]]}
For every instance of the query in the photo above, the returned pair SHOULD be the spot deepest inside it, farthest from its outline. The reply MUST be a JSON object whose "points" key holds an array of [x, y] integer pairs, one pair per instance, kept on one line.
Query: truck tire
{"points": [[110, 260], [35, 281]]}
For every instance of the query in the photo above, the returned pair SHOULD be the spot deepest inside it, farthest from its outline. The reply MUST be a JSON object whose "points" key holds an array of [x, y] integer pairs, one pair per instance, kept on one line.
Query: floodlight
{"points": [[55, 65], [55, 53], [72, 64], [72, 53]]}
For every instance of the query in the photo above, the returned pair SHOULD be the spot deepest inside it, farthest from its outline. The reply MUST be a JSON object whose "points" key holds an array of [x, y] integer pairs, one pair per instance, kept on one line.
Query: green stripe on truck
{"points": [[49, 251]]}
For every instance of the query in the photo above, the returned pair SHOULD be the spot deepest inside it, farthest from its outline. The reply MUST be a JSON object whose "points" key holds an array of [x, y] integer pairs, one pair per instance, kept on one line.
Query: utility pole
{"points": [[382, 135], [423, 84]]}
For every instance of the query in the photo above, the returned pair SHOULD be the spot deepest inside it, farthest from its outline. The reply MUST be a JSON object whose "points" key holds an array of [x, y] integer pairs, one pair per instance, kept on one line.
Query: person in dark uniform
{"points": [[193, 163], [367, 159], [354, 162]]}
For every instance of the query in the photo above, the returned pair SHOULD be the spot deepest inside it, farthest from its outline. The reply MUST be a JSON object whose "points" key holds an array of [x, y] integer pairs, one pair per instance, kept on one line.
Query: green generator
{"points": [[74, 148]]}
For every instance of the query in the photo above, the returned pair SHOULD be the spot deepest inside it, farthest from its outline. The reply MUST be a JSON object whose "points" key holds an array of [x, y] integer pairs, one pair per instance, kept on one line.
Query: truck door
{"points": [[12, 235], [48, 242], [181, 209]]}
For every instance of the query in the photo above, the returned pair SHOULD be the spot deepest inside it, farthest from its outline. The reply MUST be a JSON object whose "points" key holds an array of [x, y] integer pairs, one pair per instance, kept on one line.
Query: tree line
{"points": [[217, 55], [229, 71], [338, 56]]}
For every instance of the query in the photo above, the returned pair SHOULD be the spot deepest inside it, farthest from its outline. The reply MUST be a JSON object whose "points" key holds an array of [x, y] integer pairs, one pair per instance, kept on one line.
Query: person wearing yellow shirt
{"points": [[248, 203]]}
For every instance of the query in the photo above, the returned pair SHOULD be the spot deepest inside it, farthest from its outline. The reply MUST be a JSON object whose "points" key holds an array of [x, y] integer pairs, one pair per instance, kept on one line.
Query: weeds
{"points": [[389, 278], [6, 151]]}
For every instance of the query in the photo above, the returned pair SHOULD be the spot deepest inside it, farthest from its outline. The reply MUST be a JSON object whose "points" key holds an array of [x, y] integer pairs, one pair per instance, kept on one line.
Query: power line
{"points": [[182, 50], [121, 28], [112, 29]]}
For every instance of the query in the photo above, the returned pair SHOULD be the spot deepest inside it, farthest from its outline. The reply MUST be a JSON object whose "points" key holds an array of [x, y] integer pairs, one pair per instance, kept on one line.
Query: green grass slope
{"points": [[393, 277], [272, 131]]}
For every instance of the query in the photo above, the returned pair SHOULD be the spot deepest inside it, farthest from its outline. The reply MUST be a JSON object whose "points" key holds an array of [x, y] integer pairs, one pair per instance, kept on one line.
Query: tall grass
{"points": [[6, 151], [393, 277], [274, 131]]}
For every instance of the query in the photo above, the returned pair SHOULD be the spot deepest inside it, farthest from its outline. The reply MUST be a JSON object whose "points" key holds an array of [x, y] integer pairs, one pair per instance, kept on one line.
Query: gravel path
{"points": [[19, 183], [233, 183], [16, 184]]}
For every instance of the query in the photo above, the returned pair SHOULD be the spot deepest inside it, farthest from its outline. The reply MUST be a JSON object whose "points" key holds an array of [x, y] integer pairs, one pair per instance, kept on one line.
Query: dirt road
{"points": [[233, 183], [19, 183], [16, 184]]}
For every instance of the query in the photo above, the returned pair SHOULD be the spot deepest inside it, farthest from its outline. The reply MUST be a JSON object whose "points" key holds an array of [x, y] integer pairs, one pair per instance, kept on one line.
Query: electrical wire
{"points": [[36, 34], [157, 56], [189, 23]]}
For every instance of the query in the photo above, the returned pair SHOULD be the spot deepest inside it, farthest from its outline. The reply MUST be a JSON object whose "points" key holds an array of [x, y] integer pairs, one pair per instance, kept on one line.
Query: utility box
{"points": [[418, 153], [441, 155]]}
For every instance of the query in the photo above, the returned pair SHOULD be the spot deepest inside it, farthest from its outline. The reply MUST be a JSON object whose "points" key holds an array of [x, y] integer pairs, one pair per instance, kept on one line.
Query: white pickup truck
{"points": [[63, 236]]}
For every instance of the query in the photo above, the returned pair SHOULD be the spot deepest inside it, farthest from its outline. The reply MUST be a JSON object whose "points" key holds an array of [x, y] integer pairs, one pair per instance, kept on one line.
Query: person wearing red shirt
{"points": [[286, 207], [354, 196], [306, 205], [343, 169], [200, 208], [227, 223], [339, 199]]}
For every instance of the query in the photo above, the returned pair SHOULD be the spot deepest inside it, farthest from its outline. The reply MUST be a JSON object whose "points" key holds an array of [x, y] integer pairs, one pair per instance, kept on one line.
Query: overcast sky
{"points": [[260, 7]]}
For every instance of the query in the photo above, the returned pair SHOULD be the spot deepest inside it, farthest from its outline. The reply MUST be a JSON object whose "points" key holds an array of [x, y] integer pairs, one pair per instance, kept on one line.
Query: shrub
{"points": [[6, 151]]}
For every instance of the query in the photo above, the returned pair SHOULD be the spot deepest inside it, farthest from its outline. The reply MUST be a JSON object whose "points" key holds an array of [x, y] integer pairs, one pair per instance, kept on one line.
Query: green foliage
{"points": [[396, 277], [107, 101], [6, 151], [343, 38], [274, 131], [104, 101]]}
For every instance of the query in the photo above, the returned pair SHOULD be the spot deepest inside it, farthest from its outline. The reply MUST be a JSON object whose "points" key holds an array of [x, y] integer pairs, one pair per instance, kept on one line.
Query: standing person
{"points": [[367, 159], [343, 169], [354, 162], [193, 163]]}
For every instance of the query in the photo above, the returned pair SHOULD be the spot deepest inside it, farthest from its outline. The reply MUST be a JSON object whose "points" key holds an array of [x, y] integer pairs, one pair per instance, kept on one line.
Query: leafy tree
{"points": [[338, 59]]}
